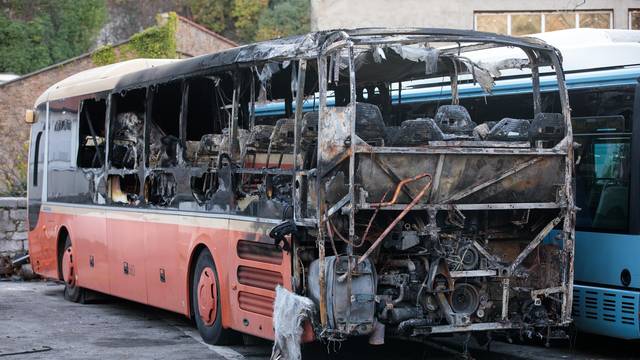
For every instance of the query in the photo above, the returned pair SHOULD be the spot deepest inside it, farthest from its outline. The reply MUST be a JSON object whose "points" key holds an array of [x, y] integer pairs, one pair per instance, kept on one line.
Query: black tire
{"points": [[74, 294], [213, 334]]}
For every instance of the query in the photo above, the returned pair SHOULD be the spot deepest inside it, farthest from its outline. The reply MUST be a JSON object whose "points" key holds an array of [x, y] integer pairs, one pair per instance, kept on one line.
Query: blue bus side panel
{"points": [[608, 312], [601, 257]]}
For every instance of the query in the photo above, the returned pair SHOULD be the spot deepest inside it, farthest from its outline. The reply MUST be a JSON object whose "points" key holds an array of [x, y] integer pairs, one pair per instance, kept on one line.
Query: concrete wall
{"points": [[13, 225], [332, 14]]}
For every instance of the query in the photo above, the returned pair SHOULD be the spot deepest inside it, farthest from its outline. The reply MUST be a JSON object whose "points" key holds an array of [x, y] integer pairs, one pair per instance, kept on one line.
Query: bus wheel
{"points": [[72, 292], [205, 302]]}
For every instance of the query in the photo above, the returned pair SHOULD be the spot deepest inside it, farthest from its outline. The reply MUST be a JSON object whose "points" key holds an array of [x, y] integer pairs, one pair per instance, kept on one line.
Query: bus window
{"points": [[602, 184], [602, 127], [266, 145], [126, 129], [124, 189], [208, 119], [208, 116], [91, 148], [36, 159], [602, 174], [126, 146], [164, 127]]}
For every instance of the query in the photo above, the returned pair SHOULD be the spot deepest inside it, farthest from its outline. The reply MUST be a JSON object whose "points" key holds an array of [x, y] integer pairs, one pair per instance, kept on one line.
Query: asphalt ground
{"points": [[37, 323]]}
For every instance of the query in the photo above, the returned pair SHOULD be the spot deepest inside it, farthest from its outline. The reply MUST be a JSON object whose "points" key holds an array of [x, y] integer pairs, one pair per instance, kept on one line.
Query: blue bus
{"points": [[604, 105]]}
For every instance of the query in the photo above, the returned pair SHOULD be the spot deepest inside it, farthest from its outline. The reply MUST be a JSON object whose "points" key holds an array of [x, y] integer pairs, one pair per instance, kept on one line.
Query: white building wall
{"points": [[332, 14]]}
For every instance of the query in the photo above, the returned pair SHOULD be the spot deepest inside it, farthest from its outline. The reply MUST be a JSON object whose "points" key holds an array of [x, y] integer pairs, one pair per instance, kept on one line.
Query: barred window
{"points": [[524, 23]]}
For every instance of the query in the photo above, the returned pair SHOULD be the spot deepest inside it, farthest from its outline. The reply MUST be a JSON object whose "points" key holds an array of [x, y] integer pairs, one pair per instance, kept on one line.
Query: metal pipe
{"points": [[330, 233], [388, 229], [407, 325], [400, 297], [425, 261], [395, 222], [396, 193], [375, 213]]}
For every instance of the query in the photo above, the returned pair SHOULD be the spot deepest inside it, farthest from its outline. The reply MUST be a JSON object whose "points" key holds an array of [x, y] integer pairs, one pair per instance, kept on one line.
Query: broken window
{"points": [[266, 143], [165, 147], [208, 116], [160, 188], [127, 136], [124, 189], [210, 107], [91, 148]]}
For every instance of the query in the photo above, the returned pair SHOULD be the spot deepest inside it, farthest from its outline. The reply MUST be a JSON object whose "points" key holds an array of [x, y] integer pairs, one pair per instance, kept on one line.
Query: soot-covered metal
{"points": [[402, 220]]}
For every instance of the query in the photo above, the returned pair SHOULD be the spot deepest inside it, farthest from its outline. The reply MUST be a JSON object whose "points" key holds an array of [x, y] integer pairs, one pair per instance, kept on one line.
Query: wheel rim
{"points": [[68, 268], [207, 304]]}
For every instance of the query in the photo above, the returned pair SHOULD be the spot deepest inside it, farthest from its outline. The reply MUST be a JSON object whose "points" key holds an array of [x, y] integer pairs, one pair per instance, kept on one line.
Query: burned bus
{"points": [[158, 182]]}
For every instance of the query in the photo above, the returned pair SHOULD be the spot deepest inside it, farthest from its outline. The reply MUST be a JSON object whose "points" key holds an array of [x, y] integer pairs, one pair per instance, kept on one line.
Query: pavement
{"points": [[37, 323]]}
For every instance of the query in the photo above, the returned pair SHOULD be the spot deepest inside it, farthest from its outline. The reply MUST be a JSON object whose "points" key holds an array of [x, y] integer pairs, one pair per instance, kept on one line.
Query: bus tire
{"points": [[205, 302], [72, 292]]}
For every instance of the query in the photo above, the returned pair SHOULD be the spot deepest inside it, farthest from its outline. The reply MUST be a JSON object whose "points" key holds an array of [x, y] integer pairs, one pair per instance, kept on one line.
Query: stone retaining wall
{"points": [[13, 225]]}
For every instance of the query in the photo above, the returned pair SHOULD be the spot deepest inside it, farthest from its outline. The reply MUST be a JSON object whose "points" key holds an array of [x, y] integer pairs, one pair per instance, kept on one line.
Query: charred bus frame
{"points": [[426, 202]]}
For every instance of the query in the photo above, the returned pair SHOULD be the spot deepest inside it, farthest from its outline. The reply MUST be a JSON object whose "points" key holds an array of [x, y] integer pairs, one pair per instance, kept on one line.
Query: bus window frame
{"points": [[81, 108]]}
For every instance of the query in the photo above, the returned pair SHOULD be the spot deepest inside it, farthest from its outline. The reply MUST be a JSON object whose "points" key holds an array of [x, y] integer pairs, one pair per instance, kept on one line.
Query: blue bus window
{"points": [[602, 184]]}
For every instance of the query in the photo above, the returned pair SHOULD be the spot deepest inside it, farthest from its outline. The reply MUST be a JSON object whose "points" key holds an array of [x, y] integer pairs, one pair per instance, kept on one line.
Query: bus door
{"points": [[602, 123], [38, 252], [607, 245]]}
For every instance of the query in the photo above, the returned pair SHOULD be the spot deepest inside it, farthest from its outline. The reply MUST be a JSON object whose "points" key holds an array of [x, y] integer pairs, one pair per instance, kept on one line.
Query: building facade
{"points": [[502, 16]]}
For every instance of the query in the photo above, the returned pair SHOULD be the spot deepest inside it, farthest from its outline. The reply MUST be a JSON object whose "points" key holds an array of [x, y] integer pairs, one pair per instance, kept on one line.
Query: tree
{"points": [[250, 20], [22, 45], [215, 15], [283, 18], [37, 33], [246, 14]]}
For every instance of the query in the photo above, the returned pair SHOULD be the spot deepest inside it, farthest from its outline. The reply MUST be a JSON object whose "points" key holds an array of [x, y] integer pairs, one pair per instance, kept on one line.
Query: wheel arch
{"points": [[192, 264], [63, 233]]}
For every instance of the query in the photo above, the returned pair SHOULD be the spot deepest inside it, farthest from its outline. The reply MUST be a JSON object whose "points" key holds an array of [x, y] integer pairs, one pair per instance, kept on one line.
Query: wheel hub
{"points": [[207, 304], [68, 270]]}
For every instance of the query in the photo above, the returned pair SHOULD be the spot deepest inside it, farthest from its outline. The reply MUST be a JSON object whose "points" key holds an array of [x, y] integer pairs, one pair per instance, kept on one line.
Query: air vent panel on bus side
{"points": [[259, 278], [261, 252], [255, 303], [594, 307]]}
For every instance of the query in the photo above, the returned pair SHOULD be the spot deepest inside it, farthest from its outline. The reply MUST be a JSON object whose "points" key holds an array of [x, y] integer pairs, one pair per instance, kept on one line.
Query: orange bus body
{"points": [[147, 242]]}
